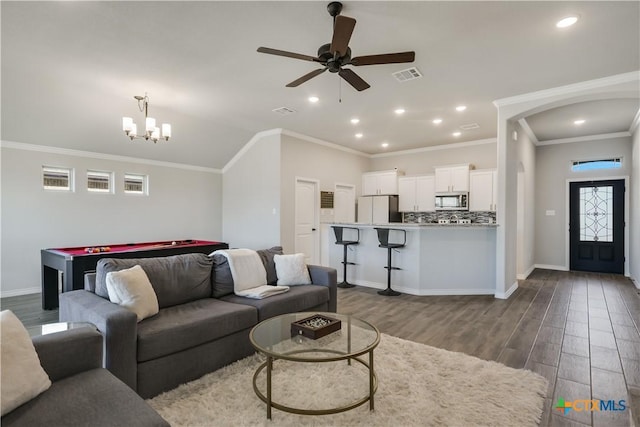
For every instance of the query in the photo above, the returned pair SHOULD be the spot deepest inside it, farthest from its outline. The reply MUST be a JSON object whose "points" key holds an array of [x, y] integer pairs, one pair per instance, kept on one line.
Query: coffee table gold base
{"points": [[373, 387]]}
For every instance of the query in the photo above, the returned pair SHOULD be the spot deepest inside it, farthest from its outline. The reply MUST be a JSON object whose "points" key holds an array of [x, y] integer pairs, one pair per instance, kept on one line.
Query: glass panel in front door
{"points": [[596, 214]]}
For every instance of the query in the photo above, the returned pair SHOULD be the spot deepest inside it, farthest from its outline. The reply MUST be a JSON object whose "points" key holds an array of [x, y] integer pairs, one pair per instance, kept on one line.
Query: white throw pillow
{"points": [[291, 270], [131, 289], [22, 376]]}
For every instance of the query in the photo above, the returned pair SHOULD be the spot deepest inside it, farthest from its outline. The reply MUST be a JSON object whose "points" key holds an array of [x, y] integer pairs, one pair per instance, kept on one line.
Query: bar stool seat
{"points": [[383, 239], [339, 232]]}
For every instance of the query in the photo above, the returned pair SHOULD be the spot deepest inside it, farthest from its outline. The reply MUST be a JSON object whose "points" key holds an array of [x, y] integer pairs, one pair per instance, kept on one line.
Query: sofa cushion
{"points": [[90, 398], [131, 289], [22, 376], [175, 279], [222, 280], [299, 298], [188, 325]]}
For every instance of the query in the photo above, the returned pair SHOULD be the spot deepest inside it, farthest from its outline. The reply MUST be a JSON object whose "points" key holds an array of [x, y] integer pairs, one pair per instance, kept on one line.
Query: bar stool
{"points": [[383, 238], [338, 230]]}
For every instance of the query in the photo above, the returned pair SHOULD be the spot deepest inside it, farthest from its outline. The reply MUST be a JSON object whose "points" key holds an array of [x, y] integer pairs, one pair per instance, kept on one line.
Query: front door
{"points": [[596, 226]]}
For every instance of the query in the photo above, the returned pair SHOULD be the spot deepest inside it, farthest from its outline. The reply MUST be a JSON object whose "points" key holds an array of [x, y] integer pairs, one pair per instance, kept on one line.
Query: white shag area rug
{"points": [[418, 385]]}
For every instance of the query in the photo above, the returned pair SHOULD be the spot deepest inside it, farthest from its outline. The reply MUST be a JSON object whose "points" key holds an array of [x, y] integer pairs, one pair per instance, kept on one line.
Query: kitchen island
{"points": [[438, 259]]}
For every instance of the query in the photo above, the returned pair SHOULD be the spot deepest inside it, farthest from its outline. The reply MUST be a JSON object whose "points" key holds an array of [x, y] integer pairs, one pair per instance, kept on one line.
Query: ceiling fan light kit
{"points": [[151, 131], [336, 55]]}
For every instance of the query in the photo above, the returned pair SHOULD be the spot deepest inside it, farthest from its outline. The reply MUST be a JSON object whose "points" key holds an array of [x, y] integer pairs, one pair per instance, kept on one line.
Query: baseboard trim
{"points": [[507, 294], [18, 292], [526, 273], [424, 292], [551, 267], [635, 282]]}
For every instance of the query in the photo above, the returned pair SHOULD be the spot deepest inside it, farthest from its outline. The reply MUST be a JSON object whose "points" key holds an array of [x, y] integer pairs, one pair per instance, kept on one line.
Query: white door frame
{"points": [[315, 258], [626, 216]]}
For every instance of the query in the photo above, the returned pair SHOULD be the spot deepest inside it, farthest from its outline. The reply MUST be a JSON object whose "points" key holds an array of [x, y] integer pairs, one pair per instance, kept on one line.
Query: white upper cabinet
{"points": [[416, 193], [452, 178], [379, 183], [483, 190]]}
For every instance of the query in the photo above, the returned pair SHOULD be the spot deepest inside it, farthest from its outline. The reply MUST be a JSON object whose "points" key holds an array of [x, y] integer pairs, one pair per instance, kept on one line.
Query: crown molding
{"points": [[437, 148], [102, 156], [527, 129], [635, 122], [255, 138], [585, 138], [324, 143], [570, 89]]}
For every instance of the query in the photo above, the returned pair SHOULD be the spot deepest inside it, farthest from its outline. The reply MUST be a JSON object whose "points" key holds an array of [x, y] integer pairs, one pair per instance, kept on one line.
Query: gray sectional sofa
{"points": [[82, 393], [201, 325]]}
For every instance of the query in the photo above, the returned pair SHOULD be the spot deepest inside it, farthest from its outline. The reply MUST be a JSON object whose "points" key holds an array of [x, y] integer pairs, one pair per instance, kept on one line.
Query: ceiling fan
{"points": [[335, 55]]}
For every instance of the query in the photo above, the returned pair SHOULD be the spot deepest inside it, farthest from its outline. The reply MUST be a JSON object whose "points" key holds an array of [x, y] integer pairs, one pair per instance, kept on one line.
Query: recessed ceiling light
{"points": [[457, 134], [358, 135], [314, 99], [579, 122], [385, 144], [355, 121], [567, 22], [461, 107], [436, 121], [399, 111]]}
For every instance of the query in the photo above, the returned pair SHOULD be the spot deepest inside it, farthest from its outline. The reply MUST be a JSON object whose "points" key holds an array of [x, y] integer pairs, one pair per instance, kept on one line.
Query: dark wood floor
{"points": [[579, 330]]}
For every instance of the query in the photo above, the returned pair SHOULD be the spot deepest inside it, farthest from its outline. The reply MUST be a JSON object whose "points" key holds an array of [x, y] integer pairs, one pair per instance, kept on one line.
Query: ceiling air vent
{"points": [[408, 74], [470, 126], [284, 111]]}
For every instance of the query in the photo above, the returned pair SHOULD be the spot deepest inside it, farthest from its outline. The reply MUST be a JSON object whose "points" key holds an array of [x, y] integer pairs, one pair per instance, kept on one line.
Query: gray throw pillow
{"points": [[266, 255]]}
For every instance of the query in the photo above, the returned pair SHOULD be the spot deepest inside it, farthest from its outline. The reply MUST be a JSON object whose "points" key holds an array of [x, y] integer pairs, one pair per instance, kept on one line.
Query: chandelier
{"points": [[151, 131]]}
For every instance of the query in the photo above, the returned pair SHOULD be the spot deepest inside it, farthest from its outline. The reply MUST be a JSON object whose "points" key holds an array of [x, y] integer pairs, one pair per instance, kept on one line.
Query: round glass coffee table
{"points": [[277, 339]]}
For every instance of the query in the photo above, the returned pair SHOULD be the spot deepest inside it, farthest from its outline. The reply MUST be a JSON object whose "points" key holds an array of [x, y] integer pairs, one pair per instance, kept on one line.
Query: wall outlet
{"points": [[551, 213]]}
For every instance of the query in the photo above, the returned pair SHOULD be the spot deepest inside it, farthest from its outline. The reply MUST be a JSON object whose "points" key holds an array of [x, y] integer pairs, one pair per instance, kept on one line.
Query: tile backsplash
{"points": [[433, 217]]}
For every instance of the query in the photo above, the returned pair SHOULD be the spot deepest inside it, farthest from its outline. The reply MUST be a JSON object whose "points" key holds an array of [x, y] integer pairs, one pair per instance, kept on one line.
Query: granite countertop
{"points": [[415, 225]]}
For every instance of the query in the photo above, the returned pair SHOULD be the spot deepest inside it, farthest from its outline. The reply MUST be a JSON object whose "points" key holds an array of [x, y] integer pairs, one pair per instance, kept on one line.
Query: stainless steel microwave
{"points": [[452, 202]]}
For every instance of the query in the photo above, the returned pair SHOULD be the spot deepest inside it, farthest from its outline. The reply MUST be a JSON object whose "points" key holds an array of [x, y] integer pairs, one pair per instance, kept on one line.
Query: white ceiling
{"points": [[70, 71]]}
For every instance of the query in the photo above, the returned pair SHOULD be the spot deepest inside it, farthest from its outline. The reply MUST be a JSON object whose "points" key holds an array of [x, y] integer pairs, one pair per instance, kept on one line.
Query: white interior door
{"points": [[306, 219], [344, 203]]}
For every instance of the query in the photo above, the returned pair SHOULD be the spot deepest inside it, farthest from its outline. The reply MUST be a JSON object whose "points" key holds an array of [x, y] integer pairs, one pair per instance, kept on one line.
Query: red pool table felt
{"points": [[130, 247]]}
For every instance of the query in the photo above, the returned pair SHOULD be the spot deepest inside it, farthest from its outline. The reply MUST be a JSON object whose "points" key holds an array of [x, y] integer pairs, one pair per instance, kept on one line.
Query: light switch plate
{"points": [[551, 213]]}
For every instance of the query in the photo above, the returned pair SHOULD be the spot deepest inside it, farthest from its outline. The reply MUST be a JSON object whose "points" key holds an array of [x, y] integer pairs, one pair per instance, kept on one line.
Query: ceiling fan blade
{"points": [[353, 79], [342, 31], [306, 77], [287, 54], [387, 58]]}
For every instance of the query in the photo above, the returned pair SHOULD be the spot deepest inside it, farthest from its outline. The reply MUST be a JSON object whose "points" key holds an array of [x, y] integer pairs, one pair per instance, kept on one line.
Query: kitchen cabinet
{"points": [[450, 179], [380, 183], [417, 193], [483, 190]]}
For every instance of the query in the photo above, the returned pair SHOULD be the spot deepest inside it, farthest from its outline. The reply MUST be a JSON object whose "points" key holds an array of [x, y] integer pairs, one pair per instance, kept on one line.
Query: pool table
{"points": [[74, 262]]}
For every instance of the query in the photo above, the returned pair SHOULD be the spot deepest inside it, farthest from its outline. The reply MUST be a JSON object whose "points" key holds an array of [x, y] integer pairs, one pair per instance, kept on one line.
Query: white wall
{"points": [[251, 195], [634, 249], [423, 161], [553, 169], [306, 159], [527, 159], [183, 203]]}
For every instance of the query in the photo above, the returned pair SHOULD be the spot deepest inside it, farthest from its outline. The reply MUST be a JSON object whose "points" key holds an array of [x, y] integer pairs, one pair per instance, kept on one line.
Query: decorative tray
{"points": [[316, 326]]}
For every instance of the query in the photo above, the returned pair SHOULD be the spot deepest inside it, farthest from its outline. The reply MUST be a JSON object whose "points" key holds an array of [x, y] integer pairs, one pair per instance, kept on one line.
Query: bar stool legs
{"points": [[389, 292], [344, 283], [383, 238]]}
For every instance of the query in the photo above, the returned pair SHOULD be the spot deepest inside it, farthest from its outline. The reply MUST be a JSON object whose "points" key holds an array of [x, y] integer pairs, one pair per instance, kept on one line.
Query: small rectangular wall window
{"points": [[57, 179], [136, 184], [99, 182], [588, 165]]}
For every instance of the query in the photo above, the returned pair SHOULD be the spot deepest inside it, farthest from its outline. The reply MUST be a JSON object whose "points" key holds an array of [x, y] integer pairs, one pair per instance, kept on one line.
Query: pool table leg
{"points": [[49, 288]]}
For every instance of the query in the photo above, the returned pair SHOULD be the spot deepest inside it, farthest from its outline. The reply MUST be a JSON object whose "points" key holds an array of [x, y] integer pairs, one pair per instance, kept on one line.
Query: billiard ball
{"points": [[174, 243]]}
